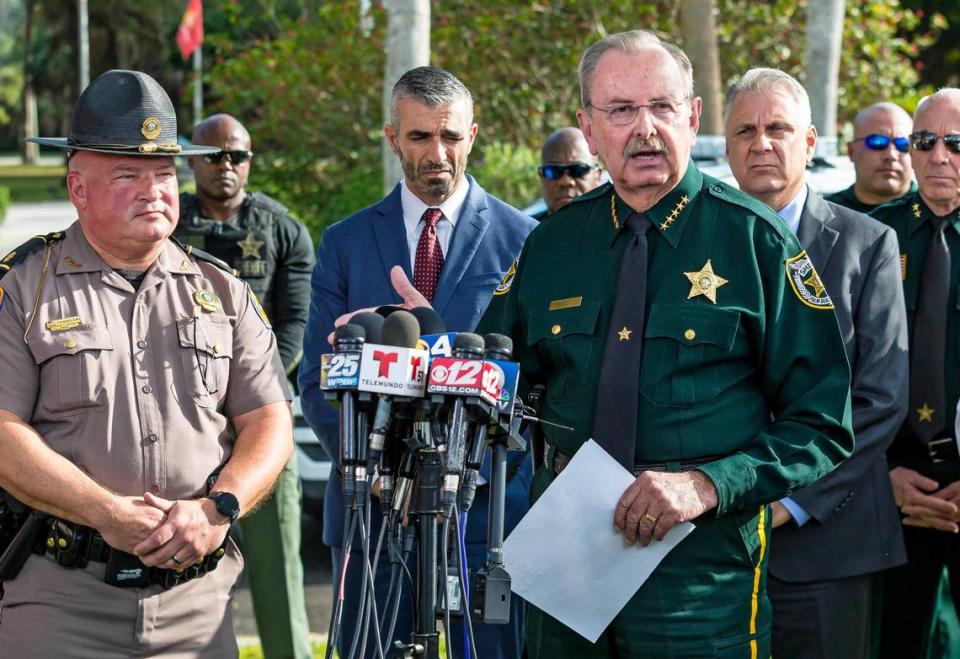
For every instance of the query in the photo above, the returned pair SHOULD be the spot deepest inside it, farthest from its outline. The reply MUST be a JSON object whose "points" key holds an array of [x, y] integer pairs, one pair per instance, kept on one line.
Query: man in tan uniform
{"points": [[135, 370]]}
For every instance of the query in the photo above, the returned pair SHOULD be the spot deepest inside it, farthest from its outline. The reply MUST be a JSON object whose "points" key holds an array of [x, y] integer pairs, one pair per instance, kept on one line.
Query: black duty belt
{"points": [[74, 546], [942, 450], [559, 461]]}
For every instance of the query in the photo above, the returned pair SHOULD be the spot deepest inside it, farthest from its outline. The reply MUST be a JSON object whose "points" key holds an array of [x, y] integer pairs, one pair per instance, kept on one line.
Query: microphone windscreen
{"points": [[401, 329], [386, 310], [350, 331], [371, 323], [498, 346], [430, 321], [467, 342]]}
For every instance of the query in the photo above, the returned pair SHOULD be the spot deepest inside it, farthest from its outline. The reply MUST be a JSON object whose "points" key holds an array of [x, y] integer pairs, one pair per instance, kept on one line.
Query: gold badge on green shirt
{"points": [[207, 300], [504, 287], [705, 282], [806, 283], [250, 246]]}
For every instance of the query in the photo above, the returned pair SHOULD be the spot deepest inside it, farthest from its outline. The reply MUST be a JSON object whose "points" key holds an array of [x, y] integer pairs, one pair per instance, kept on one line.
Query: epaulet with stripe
{"points": [[35, 244], [204, 256]]}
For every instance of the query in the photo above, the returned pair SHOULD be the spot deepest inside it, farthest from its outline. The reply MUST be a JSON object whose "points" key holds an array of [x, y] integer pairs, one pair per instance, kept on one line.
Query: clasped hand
{"points": [[657, 501], [163, 533]]}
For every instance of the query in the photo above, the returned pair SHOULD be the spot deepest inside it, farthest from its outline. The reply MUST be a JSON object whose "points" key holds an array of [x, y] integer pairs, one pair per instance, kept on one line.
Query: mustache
{"points": [[439, 167], [637, 145]]}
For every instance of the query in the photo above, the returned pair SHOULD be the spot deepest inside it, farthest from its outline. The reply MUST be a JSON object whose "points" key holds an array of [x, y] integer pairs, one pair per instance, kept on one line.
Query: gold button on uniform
{"points": [[555, 329], [70, 344], [689, 335]]}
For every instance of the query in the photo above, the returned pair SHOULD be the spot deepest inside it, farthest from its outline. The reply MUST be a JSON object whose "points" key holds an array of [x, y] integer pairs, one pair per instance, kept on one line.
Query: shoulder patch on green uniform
{"points": [[806, 283], [1, 298], [504, 287], [35, 244], [255, 303], [201, 255]]}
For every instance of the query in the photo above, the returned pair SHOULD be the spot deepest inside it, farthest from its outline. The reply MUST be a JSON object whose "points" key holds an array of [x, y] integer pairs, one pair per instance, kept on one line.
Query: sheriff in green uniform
{"points": [[924, 459], [742, 392]]}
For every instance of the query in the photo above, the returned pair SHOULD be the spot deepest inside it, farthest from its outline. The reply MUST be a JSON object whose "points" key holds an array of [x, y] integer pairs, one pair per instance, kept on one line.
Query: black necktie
{"points": [[615, 419], [928, 395]]}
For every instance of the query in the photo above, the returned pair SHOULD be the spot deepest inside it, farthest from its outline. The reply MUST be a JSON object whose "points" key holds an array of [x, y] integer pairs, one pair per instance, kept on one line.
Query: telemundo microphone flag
{"points": [[190, 31]]}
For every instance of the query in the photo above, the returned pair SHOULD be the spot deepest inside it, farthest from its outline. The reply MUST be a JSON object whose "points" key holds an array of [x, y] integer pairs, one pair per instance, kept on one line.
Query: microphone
{"points": [[371, 323], [498, 349], [461, 376], [338, 374], [400, 330], [430, 321]]}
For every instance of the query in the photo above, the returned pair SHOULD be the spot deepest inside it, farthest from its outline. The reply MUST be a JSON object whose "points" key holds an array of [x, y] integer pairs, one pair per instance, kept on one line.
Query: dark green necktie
{"points": [[615, 419], [928, 395]]}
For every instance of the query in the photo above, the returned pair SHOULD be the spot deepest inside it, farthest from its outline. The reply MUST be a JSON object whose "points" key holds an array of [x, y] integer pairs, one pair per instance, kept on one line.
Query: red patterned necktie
{"points": [[429, 258]]}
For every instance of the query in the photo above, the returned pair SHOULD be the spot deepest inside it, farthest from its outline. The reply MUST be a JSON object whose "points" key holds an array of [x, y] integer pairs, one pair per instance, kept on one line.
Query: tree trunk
{"points": [[822, 63], [30, 152], [408, 46], [699, 31]]}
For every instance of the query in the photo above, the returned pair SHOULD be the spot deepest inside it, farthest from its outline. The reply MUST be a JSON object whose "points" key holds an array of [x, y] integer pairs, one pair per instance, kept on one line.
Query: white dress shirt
{"points": [[413, 209]]}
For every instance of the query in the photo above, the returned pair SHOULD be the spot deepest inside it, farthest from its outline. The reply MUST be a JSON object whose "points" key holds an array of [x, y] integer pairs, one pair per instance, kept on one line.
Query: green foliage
{"points": [[507, 171], [4, 202]]}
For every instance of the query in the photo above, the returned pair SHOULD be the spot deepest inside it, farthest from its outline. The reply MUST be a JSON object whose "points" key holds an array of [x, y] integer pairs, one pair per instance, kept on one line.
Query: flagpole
{"points": [[197, 85]]}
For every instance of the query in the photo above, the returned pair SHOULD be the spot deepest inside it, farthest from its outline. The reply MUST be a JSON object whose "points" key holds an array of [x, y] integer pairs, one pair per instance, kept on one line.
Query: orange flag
{"points": [[190, 32]]}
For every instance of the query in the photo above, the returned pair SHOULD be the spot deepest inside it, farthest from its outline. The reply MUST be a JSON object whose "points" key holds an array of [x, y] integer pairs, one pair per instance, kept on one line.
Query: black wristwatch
{"points": [[227, 504]]}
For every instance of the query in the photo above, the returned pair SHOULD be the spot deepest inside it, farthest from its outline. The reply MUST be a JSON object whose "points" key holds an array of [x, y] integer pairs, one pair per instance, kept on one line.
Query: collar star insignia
{"points": [[250, 246], [625, 333], [675, 213], [705, 282], [916, 211], [926, 413]]}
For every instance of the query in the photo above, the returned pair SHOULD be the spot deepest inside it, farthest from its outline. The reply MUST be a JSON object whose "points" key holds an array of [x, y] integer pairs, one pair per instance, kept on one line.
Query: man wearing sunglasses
{"points": [[924, 457], [567, 169], [881, 157], [831, 538], [273, 253]]}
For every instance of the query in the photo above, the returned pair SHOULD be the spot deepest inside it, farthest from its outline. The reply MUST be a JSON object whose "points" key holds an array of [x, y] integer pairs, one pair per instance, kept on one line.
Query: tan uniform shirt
{"points": [[136, 388]]}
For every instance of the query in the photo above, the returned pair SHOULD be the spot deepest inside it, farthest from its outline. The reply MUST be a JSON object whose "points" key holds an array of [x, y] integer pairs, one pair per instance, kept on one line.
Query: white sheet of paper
{"points": [[564, 556]]}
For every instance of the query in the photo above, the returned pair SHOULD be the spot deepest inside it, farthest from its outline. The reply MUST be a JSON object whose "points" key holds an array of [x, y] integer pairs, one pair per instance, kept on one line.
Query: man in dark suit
{"points": [[439, 229], [831, 538]]}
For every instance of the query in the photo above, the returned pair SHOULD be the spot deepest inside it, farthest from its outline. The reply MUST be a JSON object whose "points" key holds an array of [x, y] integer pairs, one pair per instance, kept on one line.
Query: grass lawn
{"points": [[33, 182]]}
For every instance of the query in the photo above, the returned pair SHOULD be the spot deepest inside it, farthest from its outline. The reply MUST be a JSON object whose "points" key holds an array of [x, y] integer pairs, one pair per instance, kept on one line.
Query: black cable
{"points": [[333, 631], [372, 594], [361, 605], [448, 628]]}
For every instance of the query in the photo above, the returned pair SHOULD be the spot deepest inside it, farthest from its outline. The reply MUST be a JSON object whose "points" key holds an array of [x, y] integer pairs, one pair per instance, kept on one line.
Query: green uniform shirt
{"points": [[909, 216], [758, 378], [848, 198]]}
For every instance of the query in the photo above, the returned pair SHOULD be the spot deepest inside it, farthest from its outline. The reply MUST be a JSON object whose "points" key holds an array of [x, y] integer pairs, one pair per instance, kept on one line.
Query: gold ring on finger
{"points": [[650, 518]]}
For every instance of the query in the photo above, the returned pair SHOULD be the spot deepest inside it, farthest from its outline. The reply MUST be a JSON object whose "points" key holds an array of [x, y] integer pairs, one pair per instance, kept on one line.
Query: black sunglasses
{"points": [[574, 169], [235, 157], [924, 140], [876, 142]]}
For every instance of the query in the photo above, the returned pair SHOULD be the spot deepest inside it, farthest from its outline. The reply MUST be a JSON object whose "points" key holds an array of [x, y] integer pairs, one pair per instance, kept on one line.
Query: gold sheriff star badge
{"points": [[625, 333], [813, 281], [705, 282], [250, 246], [926, 413]]}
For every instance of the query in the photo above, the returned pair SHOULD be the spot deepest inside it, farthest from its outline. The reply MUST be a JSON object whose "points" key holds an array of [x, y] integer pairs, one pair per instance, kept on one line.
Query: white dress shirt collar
{"points": [[792, 211]]}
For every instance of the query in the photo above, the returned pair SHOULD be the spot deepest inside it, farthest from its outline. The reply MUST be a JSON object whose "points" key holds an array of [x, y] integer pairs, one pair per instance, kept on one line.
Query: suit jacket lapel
{"points": [[814, 233], [466, 238], [391, 235]]}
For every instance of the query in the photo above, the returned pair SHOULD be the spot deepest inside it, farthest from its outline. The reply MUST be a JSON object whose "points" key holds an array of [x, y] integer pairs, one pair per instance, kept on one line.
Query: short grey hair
{"points": [[630, 43], [430, 86], [766, 80]]}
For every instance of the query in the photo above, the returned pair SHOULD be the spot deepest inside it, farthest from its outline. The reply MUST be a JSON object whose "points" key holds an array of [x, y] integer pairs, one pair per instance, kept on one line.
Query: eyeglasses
{"points": [[626, 113], [574, 170], [235, 157], [876, 142], [924, 140]]}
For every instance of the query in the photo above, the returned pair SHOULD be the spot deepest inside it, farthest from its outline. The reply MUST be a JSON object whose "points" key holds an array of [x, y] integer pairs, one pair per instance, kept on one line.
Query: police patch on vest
{"points": [[251, 268], [806, 283], [504, 287]]}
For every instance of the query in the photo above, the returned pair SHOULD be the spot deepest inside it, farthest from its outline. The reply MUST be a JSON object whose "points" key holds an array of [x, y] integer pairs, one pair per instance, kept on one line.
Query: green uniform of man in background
{"points": [[742, 395], [273, 253]]}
